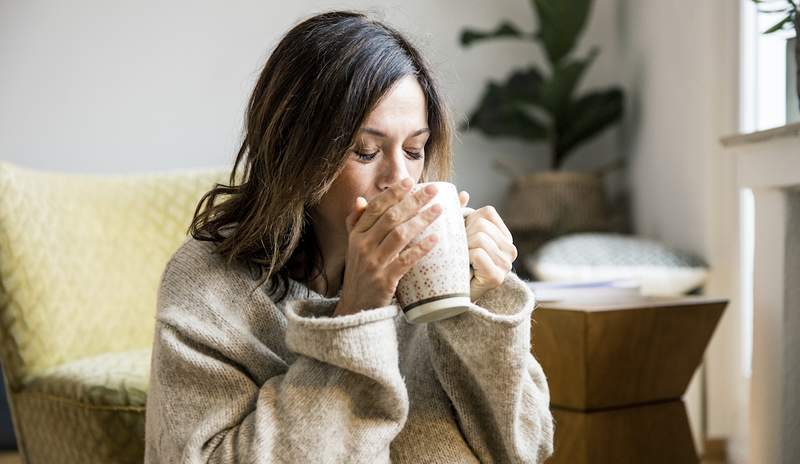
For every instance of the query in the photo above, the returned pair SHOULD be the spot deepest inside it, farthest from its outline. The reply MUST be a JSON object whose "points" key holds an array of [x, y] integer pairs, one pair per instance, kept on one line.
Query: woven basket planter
{"points": [[557, 202]]}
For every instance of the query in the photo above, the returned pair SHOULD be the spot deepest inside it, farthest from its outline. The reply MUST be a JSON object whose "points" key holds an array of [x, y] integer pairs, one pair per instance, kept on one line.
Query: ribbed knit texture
{"points": [[236, 378]]}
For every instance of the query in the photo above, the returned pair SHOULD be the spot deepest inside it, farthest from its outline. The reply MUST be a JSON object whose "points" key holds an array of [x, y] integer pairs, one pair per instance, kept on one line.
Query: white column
{"points": [[766, 387], [768, 163]]}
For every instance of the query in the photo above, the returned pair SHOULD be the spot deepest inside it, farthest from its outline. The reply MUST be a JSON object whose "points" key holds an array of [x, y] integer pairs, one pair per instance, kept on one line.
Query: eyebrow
{"points": [[372, 131]]}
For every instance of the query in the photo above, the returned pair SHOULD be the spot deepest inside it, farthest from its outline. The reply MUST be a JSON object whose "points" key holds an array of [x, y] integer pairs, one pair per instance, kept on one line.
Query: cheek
{"points": [[342, 195], [415, 169], [361, 181]]}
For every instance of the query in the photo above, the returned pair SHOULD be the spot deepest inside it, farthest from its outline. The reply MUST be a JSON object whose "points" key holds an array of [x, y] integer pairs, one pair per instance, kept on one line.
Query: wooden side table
{"points": [[617, 374]]}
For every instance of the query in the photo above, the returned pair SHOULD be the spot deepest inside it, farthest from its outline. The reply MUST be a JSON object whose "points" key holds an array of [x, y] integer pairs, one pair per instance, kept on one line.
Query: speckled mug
{"points": [[437, 287]]}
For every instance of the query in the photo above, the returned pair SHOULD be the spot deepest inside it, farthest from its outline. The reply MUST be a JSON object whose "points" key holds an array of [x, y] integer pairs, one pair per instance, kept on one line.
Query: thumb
{"points": [[463, 197], [355, 214]]}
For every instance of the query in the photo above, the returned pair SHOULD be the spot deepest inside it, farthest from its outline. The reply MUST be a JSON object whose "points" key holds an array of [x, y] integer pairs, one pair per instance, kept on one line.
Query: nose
{"points": [[393, 169]]}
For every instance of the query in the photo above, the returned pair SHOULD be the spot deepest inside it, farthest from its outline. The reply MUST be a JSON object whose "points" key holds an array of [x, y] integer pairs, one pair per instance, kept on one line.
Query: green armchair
{"points": [[81, 258]]}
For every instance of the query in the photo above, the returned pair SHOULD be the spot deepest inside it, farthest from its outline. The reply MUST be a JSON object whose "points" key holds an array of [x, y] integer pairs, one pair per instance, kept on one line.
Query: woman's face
{"points": [[389, 147]]}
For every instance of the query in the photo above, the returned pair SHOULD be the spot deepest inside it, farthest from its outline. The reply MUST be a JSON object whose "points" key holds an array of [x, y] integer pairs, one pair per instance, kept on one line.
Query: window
{"points": [[764, 84]]}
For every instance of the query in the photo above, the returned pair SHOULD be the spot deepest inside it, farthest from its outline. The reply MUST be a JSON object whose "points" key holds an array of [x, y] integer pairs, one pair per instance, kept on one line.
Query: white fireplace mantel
{"points": [[768, 164]]}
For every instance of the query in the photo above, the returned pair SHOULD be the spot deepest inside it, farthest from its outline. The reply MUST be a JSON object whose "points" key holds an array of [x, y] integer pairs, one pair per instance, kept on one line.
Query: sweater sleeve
{"points": [[483, 361], [218, 394]]}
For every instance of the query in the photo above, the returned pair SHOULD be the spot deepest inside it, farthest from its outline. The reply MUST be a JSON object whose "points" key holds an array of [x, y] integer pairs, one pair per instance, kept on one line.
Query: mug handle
{"points": [[466, 211]]}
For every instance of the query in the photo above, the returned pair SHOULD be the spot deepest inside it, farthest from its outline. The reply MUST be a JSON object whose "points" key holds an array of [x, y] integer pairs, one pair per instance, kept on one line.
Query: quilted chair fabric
{"points": [[81, 258]]}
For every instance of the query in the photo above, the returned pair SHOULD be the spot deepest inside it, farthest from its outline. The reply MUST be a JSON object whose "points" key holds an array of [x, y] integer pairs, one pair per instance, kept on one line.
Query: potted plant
{"points": [[539, 105], [789, 19]]}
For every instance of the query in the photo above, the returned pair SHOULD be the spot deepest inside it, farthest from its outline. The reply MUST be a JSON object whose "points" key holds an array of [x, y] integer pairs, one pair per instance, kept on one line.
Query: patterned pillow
{"points": [[662, 271]]}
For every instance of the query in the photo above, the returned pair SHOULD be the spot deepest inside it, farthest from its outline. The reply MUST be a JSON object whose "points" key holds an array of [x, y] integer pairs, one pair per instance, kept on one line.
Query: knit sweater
{"points": [[237, 378]]}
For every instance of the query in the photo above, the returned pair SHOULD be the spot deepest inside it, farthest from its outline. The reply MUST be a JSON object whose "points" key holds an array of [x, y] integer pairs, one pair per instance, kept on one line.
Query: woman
{"points": [[277, 339]]}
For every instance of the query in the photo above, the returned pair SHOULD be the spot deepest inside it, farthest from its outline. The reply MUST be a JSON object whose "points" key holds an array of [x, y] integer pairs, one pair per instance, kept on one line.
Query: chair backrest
{"points": [[81, 257]]}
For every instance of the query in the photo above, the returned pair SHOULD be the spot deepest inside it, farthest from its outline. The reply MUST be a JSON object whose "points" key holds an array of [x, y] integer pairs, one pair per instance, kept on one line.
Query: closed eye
{"points": [[414, 155], [365, 156]]}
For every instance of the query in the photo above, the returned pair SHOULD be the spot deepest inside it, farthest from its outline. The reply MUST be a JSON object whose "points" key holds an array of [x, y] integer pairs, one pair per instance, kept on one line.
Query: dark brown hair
{"points": [[313, 94]]}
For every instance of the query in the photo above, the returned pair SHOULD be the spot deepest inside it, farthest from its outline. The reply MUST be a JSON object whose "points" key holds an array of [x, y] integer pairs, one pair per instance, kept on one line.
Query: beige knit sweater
{"points": [[236, 378]]}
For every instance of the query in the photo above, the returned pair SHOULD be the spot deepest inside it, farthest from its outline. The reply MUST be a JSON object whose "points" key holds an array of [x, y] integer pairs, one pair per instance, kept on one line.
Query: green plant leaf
{"points": [[504, 30], [557, 90], [560, 25], [501, 112], [586, 117], [780, 25], [524, 85]]}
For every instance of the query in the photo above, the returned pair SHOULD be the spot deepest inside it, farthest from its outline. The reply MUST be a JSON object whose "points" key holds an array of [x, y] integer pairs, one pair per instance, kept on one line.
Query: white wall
{"points": [[96, 86], [681, 65]]}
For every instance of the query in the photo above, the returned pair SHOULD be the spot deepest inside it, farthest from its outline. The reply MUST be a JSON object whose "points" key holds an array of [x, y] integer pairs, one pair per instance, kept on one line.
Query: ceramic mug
{"points": [[437, 287]]}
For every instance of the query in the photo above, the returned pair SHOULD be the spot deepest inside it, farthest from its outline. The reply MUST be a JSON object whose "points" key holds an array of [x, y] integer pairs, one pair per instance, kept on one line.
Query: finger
{"points": [[485, 270], [481, 224], [358, 210], [500, 258], [490, 213], [400, 213], [378, 205], [463, 197], [402, 235], [411, 256]]}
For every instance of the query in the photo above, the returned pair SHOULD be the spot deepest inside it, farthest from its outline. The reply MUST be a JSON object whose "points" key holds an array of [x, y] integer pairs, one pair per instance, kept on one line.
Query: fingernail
{"points": [[432, 238], [436, 209], [406, 183], [430, 190]]}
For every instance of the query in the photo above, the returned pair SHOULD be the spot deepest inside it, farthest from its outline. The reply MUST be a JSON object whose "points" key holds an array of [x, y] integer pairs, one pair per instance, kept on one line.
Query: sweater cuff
{"points": [[367, 339], [318, 314], [509, 304]]}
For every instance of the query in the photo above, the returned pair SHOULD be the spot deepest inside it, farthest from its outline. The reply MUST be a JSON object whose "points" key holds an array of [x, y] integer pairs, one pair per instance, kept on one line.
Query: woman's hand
{"points": [[491, 248], [377, 253]]}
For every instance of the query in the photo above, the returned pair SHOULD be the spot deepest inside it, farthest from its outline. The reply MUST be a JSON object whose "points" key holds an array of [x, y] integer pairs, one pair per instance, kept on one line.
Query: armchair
{"points": [[81, 258]]}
